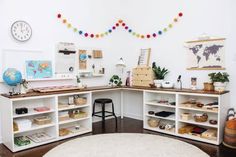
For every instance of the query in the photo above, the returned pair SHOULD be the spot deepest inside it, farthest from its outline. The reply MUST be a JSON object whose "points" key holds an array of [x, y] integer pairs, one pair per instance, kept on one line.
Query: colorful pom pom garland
{"points": [[122, 24]]}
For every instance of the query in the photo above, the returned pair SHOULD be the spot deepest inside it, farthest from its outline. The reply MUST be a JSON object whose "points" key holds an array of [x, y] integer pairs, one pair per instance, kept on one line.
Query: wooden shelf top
{"points": [[104, 88]]}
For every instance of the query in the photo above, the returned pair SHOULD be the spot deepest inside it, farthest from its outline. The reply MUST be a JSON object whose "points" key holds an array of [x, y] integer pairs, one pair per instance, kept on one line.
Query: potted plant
{"points": [[115, 80], [219, 80], [160, 74], [79, 84]]}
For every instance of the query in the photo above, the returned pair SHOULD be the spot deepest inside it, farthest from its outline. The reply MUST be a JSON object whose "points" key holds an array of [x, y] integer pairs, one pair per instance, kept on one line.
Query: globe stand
{"points": [[13, 92]]}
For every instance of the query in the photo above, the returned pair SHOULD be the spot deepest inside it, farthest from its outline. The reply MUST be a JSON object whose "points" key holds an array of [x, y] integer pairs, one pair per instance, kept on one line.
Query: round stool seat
{"points": [[103, 100]]}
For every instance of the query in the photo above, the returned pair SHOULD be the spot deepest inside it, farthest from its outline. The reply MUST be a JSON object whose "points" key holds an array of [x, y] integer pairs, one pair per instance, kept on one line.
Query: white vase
{"points": [[158, 83], [219, 86]]}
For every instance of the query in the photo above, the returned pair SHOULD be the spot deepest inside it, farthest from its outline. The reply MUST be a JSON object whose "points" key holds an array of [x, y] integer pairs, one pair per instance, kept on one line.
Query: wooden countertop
{"points": [[104, 88]]}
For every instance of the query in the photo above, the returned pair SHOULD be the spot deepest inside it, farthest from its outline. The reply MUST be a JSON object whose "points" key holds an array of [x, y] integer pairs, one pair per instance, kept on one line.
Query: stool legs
{"points": [[93, 108], [113, 112], [103, 115]]}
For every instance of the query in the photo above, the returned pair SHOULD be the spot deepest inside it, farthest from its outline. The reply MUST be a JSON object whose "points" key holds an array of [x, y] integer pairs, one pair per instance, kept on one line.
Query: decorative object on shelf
{"points": [[21, 31], [15, 127], [24, 86], [36, 69], [179, 82], [23, 124], [193, 83], [164, 114], [64, 132], [42, 120], [142, 76], [144, 57], [42, 109], [22, 110], [208, 86], [77, 114], [12, 77], [162, 126], [80, 100], [200, 117], [152, 85], [200, 105], [21, 141], [160, 74], [197, 131], [169, 127], [70, 100], [167, 84], [65, 60], [120, 23], [115, 80], [153, 122], [213, 122], [219, 80], [151, 112], [127, 82], [39, 137], [206, 54], [186, 116], [209, 134], [186, 129]]}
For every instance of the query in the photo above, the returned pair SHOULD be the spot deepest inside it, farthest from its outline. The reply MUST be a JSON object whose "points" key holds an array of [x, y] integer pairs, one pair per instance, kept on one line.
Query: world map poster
{"points": [[38, 69], [206, 54]]}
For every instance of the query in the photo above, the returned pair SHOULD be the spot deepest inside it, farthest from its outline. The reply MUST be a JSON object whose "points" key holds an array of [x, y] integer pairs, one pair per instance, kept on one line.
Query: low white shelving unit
{"points": [[8, 105], [170, 101]]}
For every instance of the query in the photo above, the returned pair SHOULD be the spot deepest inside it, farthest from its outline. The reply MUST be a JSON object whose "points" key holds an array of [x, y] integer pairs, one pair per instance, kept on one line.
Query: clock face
{"points": [[21, 31]]}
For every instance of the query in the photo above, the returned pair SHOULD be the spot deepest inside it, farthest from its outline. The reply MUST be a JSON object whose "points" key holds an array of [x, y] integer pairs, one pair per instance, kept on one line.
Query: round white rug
{"points": [[125, 145]]}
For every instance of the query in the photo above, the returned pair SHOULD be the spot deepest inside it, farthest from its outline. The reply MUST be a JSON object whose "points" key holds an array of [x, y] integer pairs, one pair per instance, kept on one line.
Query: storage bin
{"points": [[23, 124], [42, 120], [80, 101]]}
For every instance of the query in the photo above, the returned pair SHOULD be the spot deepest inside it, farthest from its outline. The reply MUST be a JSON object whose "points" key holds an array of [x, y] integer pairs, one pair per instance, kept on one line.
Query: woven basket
{"points": [[153, 122], [201, 118], [80, 101]]}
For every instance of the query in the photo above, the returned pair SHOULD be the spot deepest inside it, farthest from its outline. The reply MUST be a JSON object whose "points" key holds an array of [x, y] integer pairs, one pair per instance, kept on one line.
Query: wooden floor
{"points": [[127, 125]]}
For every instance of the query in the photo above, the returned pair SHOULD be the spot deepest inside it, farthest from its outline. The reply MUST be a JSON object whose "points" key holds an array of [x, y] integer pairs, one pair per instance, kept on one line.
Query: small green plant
{"points": [[219, 77], [78, 79], [159, 72], [116, 80]]}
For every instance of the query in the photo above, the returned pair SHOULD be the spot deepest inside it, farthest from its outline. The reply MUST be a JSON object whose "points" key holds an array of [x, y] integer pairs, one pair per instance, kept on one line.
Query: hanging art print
{"points": [[206, 54], [38, 69]]}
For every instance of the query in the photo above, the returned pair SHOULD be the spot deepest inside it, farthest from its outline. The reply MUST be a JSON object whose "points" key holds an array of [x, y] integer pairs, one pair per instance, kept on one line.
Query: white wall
{"points": [[214, 17]]}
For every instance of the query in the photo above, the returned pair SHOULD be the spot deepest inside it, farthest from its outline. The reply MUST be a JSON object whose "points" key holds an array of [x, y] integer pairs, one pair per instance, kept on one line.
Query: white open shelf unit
{"points": [[151, 98], [52, 129]]}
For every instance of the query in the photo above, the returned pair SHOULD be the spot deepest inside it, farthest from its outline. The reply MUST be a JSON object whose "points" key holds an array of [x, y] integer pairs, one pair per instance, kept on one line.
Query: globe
{"points": [[12, 77]]}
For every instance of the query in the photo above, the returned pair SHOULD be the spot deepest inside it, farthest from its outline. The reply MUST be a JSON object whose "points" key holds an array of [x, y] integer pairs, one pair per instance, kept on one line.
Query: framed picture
{"points": [[38, 69], [144, 58], [206, 54]]}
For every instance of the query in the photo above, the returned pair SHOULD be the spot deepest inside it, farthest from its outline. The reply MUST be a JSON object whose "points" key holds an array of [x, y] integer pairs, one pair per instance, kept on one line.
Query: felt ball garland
{"points": [[120, 23]]}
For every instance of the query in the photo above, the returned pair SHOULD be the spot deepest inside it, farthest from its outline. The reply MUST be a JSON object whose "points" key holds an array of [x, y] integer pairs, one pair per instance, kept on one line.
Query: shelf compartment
{"points": [[71, 107], [197, 109], [192, 137], [154, 103], [191, 121], [35, 127], [161, 131], [32, 112], [80, 132], [71, 120], [171, 117]]}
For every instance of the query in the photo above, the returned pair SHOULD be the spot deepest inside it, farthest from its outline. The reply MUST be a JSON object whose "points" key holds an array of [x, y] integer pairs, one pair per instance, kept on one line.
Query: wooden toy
{"points": [[142, 76]]}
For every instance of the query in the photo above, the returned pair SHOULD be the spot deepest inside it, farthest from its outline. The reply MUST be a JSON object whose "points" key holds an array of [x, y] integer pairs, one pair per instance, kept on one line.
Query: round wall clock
{"points": [[21, 31]]}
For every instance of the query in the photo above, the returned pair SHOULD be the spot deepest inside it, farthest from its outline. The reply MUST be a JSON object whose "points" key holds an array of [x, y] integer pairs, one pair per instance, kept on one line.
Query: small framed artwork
{"points": [[144, 58], [38, 69]]}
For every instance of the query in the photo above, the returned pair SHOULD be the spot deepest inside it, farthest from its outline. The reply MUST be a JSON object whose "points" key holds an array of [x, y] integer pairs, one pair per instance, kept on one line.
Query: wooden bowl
{"points": [[201, 117]]}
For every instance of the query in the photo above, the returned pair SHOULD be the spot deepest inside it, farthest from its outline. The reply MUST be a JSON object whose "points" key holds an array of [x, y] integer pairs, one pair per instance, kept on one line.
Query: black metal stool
{"points": [[103, 102]]}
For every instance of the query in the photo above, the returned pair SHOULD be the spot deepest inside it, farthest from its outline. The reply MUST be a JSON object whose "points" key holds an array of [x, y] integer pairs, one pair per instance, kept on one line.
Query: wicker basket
{"points": [[201, 118], [78, 115], [80, 101], [42, 120], [153, 122], [208, 86]]}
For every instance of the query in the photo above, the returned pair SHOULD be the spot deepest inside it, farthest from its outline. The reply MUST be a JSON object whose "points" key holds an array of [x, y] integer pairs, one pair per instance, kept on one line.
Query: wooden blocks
{"points": [[142, 76]]}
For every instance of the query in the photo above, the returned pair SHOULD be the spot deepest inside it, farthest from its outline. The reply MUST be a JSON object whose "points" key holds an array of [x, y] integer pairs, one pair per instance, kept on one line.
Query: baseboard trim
{"points": [[0, 140], [134, 116]]}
